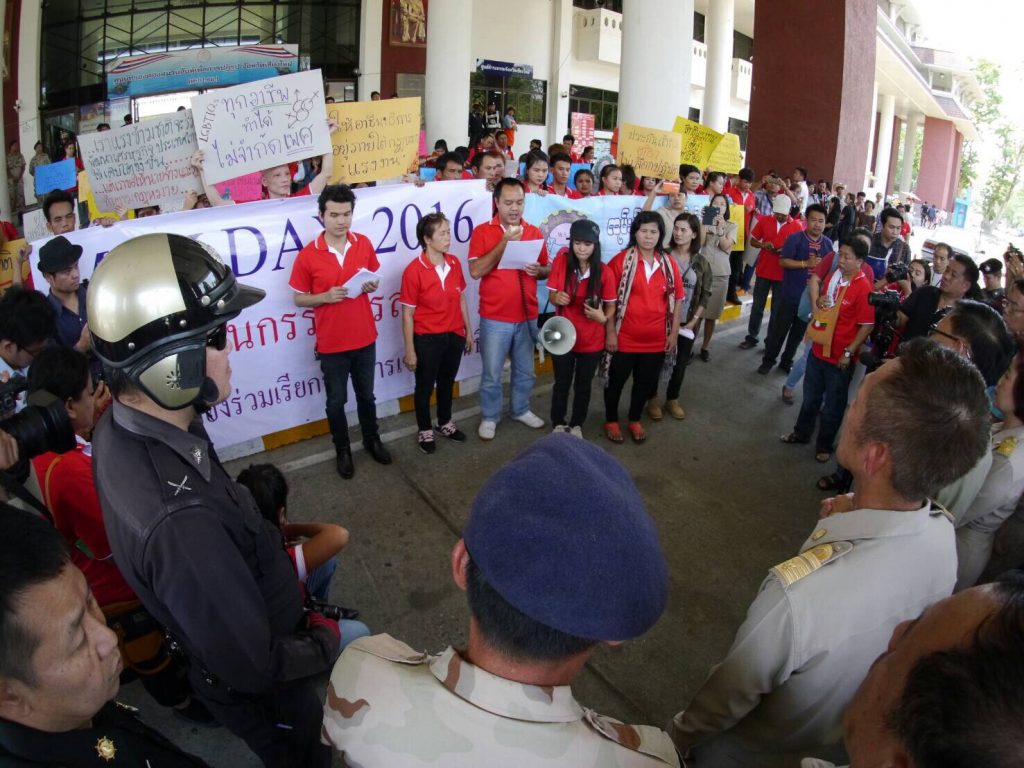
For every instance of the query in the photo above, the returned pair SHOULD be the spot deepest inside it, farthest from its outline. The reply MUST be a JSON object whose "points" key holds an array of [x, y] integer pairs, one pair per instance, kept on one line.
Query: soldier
{"points": [[189, 540], [60, 663], [553, 563], [822, 617]]}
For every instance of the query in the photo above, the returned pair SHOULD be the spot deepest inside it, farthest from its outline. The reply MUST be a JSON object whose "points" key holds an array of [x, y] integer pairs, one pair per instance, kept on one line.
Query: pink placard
{"points": [[423, 144], [244, 189], [583, 131]]}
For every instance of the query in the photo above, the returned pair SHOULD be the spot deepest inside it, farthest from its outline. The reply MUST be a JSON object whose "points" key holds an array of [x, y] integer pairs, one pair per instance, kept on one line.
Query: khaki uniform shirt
{"points": [[389, 705], [811, 634]]}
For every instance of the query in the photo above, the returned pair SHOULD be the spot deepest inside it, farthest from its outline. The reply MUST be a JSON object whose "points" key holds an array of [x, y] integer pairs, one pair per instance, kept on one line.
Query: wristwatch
{"points": [[847, 353]]}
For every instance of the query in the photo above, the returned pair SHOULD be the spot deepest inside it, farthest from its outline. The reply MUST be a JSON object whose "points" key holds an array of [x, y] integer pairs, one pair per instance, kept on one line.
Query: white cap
{"points": [[781, 204]]}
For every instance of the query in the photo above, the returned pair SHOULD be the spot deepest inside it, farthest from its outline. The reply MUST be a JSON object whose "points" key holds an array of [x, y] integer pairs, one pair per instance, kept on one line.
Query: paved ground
{"points": [[729, 500]]}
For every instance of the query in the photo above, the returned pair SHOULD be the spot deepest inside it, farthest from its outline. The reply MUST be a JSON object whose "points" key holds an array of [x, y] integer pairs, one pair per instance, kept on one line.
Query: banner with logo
{"points": [[276, 383]]}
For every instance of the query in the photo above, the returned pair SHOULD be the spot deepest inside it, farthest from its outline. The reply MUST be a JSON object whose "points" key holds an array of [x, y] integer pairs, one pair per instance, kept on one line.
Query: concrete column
{"points": [[654, 89], [871, 136], [5, 198], [939, 163], [718, 31], [371, 14], [449, 62], [559, 80], [29, 41], [909, 144], [887, 112]]}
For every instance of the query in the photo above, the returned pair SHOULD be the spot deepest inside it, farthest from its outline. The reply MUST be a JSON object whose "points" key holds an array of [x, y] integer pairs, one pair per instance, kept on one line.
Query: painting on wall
{"points": [[409, 23]]}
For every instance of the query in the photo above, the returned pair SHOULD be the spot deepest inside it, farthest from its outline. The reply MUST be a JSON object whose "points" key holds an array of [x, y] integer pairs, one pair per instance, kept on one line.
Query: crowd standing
{"points": [[911, 381]]}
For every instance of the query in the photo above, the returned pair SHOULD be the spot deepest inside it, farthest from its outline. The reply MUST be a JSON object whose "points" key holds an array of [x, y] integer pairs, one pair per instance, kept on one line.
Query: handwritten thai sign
{"points": [[55, 176], [35, 225], [143, 164], [650, 151], [375, 139], [727, 156], [85, 195], [706, 148], [8, 262], [261, 125]]}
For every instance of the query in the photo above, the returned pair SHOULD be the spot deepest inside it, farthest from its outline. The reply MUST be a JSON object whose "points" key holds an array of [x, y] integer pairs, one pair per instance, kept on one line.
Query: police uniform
{"points": [[995, 502], [115, 737], [388, 704], [817, 624]]}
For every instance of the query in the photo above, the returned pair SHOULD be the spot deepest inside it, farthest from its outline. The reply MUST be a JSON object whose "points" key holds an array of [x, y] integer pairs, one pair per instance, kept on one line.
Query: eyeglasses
{"points": [[961, 345], [34, 351], [218, 338]]}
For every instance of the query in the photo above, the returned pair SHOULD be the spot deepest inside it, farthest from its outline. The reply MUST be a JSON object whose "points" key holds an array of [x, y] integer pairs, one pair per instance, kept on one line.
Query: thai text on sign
{"points": [[650, 151], [375, 139]]}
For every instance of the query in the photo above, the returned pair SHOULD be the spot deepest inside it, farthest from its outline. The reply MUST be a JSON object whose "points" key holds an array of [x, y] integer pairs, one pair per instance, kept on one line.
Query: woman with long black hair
{"points": [[575, 286]]}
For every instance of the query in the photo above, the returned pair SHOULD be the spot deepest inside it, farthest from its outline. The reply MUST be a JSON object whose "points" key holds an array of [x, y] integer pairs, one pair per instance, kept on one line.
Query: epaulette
{"points": [[645, 739], [806, 563], [1007, 447], [384, 646]]}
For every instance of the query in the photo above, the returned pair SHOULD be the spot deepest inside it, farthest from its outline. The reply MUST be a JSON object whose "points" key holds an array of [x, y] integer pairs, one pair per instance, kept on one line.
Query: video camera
{"points": [[886, 304], [42, 425], [897, 271]]}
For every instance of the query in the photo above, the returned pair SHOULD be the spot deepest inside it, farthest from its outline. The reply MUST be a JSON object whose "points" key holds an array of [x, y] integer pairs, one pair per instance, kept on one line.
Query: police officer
{"points": [[188, 539], [882, 556], [559, 555]]}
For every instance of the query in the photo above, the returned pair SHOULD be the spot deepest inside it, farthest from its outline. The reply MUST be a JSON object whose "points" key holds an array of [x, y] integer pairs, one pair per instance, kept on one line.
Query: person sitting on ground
{"points": [[884, 554], [597, 575], [60, 664]]}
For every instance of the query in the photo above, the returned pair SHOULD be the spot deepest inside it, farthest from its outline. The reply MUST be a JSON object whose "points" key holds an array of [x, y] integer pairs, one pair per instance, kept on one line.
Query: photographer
{"points": [[926, 306], [27, 321], [887, 247]]}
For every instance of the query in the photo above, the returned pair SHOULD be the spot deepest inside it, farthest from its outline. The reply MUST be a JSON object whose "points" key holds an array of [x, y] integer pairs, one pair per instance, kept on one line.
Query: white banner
{"points": [[277, 384], [143, 164], [262, 124]]}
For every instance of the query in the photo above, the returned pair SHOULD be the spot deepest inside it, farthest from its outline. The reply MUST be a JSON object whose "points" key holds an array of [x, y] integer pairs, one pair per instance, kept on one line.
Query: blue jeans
{"points": [[337, 367], [318, 581], [351, 629], [497, 340], [826, 387], [799, 365]]}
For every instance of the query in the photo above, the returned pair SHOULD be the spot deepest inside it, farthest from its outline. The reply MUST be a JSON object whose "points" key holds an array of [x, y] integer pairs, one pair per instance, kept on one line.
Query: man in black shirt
{"points": [[926, 305]]}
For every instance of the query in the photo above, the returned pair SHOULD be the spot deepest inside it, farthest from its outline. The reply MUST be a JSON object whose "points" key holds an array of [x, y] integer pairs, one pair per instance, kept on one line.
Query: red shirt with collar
{"points": [[746, 199], [643, 327], [768, 230], [589, 335], [570, 193], [438, 306], [854, 311], [502, 291], [347, 324], [70, 494]]}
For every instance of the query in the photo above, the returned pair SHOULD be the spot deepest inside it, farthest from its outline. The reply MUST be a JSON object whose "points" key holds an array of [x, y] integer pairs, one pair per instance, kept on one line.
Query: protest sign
{"points": [[651, 152], [86, 196], [244, 189], [738, 215], [276, 383], [261, 125], [375, 139], [727, 156], [582, 131], [708, 149], [143, 164], [8, 261], [35, 225], [55, 176]]}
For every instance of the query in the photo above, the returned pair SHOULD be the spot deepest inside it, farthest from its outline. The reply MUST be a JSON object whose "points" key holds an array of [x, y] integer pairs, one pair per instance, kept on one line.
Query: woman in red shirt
{"points": [[611, 180], [436, 328], [536, 173], [575, 286], [643, 295]]}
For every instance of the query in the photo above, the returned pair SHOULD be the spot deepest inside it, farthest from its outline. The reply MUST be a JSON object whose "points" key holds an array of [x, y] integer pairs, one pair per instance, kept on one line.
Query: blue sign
{"points": [[503, 68], [62, 175]]}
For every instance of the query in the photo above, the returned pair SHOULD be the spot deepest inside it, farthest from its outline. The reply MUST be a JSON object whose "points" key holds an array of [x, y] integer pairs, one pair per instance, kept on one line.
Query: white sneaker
{"points": [[530, 419], [560, 428], [486, 429], [576, 431]]}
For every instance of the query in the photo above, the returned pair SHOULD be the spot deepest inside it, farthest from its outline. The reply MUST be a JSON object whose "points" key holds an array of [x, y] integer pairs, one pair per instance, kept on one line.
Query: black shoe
{"points": [[344, 463], [786, 367], [705, 356], [763, 368], [733, 299], [748, 343], [377, 451], [425, 441], [450, 431]]}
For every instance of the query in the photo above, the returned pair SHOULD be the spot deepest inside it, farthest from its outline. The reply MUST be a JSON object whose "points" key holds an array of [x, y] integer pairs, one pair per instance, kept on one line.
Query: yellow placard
{"points": [[738, 215], [698, 142], [650, 151], [85, 193], [727, 156], [8, 258], [375, 139]]}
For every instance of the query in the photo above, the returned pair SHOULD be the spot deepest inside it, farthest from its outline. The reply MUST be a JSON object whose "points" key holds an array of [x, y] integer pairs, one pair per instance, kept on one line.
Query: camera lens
{"points": [[43, 425]]}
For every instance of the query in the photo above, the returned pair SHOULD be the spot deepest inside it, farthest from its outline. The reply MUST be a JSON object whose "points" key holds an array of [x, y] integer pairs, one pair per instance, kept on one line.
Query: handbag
{"points": [[822, 327]]}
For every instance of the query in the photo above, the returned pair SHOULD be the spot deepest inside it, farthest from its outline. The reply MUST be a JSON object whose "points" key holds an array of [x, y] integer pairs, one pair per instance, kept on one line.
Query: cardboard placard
{"points": [[375, 139], [651, 152], [55, 176], [727, 156], [708, 149], [244, 189], [8, 258]]}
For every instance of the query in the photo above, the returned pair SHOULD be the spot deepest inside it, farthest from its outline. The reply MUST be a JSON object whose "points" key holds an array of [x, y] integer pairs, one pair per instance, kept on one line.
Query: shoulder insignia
{"points": [[126, 708], [386, 647], [806, 563], [644, 739], [1007, 446], [105, 749]]}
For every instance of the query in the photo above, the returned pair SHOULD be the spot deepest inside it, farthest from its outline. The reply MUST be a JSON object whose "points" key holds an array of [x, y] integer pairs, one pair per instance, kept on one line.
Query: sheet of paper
{"points": [[354, 286], [519, 253]]}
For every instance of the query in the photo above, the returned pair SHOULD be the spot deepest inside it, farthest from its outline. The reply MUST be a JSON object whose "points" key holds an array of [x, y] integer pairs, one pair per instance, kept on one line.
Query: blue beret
{"points": [[561, 533]]}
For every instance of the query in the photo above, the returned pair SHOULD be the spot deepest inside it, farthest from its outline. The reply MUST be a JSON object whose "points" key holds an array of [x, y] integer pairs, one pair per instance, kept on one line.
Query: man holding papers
{"points": [[507, 256], [334, 274]]}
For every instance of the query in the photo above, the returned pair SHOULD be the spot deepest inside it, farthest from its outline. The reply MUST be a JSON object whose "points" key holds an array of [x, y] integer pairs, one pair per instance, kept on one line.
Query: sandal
{"points": [[787, 398], [705, 355], [613, 432], [636, 431], [793, 439], [823, 457]]}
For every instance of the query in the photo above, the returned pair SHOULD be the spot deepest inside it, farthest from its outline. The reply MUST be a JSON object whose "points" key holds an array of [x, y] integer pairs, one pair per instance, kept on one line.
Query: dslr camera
{"points": [[896, 272], [886, 304], [42, 425]]}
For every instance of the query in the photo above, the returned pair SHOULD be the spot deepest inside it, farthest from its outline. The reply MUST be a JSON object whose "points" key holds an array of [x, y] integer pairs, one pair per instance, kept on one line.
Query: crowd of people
{"points": [[911, 382]]}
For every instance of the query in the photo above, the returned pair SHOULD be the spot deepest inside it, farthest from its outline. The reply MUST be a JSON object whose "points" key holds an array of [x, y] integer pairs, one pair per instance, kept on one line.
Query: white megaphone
{"points": [[558, 335]]}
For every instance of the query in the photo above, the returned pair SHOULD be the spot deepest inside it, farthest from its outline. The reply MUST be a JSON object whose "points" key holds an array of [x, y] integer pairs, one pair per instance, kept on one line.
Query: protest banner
{"points": [[8, 260], [650, 151], [375, 139], [244, 189], [727, 156], [261, 125], [276, 382], [708, 149], [143, 164], [55, 176]]}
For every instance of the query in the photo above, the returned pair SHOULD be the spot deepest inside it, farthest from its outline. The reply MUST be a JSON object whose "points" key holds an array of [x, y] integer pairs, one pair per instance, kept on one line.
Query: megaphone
{"points": [[558, 335]]}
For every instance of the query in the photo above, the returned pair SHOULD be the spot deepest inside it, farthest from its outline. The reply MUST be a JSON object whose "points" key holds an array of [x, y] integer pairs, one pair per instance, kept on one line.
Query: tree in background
{"points": [[985, 111]]}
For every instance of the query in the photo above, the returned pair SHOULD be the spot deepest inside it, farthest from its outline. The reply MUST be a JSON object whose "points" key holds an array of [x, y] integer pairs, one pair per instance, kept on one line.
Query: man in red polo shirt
{"points": [[741, 194], [346, 334], [769, 234], [508, 307], [561, 164], [489, 166]]}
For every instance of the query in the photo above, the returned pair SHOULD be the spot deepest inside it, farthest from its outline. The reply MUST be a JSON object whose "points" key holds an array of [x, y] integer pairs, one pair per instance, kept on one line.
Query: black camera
{"points": [[886, 304], [42, 425], [884, 301], [329, 610], [897, 271]]}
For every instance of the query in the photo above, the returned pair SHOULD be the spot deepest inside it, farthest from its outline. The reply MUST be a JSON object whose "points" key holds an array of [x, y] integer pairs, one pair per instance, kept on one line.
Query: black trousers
{"points": [[438, 356], [337, 367], [675, 381], [573, 370], [736, 275], [645, 368], [784, 326]]}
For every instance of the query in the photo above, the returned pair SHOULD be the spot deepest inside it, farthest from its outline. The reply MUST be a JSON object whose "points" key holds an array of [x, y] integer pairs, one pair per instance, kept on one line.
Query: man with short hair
{"points": [[821, 618], [926, 306], [741, 194], [764, 198], [560, 167], [59, 212], [940, 260], [489, 166], [27, 323], [803, 195], [597, 575], [567, 142], [508, 308], [887, 247], [769, 234], [346, 333], [501, 145], [714, 184], [448, 167], [59, 663]]}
